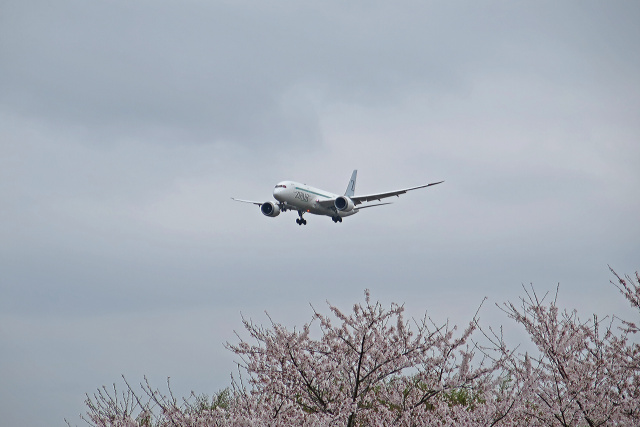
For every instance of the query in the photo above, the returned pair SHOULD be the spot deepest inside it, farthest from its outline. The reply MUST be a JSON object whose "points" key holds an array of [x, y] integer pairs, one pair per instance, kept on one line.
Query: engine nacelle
{"points": [[270, 209], [343, 204]]}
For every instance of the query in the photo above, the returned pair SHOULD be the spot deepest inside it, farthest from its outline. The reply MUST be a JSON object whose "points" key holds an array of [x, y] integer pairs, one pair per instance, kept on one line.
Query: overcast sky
{"points": [[126, 126]]}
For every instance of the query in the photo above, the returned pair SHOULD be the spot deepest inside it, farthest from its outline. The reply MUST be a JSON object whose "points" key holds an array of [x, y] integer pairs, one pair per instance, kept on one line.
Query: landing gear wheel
{"points": [[301, 221]]}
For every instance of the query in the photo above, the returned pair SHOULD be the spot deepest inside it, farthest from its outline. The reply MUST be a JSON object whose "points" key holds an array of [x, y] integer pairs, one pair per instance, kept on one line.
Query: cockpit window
{"points": [[281, 186]]}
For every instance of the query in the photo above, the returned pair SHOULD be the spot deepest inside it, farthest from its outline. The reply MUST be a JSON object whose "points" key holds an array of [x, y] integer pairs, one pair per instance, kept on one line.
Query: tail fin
{"points": [[351, 188]]}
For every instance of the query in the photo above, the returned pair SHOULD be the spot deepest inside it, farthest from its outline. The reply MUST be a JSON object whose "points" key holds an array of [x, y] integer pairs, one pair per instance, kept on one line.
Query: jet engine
{"points": [[270, 209], [343, 204]]}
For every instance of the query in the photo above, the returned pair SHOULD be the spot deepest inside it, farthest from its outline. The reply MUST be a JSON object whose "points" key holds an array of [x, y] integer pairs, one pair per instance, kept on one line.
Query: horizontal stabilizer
{"points": [[377, 204]]}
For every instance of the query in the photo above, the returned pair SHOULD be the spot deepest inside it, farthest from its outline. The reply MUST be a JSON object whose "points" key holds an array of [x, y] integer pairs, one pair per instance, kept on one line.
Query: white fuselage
{"points": [[304, 198]]}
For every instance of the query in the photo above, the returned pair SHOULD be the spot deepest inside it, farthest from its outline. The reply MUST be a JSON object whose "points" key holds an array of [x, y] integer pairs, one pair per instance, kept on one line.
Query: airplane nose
{"points": [[277, 192]]}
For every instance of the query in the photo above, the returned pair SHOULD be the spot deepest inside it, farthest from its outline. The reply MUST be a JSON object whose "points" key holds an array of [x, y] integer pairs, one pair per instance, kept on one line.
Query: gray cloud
{"points": [[253, 74]]}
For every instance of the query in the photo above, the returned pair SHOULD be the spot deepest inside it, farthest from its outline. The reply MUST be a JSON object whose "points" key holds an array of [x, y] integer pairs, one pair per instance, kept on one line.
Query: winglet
{"points": [[351, 188]]}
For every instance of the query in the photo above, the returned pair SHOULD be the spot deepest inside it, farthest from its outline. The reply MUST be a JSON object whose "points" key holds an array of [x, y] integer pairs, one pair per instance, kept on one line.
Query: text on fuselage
{"points": [[301, 196]]}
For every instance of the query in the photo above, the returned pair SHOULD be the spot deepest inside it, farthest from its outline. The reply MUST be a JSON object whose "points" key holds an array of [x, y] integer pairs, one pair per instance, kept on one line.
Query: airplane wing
{"points": [[369, 197], [248, 201], [377, 204]]}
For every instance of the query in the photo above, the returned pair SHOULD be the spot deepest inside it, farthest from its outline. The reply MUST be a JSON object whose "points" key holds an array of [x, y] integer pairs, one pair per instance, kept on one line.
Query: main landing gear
{"points": [[301, 221], [336, 218]]}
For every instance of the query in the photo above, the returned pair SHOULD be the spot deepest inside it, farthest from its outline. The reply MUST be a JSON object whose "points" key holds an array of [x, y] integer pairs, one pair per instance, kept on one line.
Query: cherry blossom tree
{"points": [[371, 366], [625, 352], [586, 372], [630, 288], [367, 366]]}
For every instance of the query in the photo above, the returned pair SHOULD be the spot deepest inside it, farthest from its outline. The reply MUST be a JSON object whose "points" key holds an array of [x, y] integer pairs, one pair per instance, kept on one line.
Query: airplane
{"points": [[294, 196]]}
